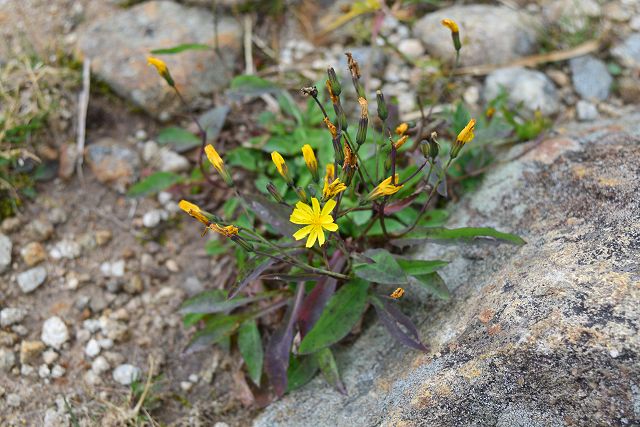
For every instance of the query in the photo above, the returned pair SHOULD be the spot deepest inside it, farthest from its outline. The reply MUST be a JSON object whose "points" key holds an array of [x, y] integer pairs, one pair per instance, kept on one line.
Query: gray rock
{"points": [[5, 252], [170, 161], [7, 359], [570, 15], [489, 34], [54, 332], [113, 163], [14, 400], [628, 52], [39, 229], [411, 47], [531, 88], [10, 316], [119, 44], [591, 78], [586, 111], [543, 334], [31, 279], [125, 374]]}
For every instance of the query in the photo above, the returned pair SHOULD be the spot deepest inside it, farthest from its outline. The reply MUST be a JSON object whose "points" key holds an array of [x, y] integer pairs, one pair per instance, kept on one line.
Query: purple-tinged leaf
{"points": [[215, 302], [398, 205], [276, 359], [255, 267], [301, 370], [392, 319], [271, 213], [329, 368], [315, 302]]}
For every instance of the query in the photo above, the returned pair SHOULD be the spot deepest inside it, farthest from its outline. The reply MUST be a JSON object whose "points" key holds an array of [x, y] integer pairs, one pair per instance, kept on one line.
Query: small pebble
{"points": [[49, 357], [10, 316], [30, 280], [125, 374], [68, 249], [92, 349], [186, 385], [54, 332], [100, 365], [27, 370], [44, 371], [14, 400], [57, 371], [33, 253]]}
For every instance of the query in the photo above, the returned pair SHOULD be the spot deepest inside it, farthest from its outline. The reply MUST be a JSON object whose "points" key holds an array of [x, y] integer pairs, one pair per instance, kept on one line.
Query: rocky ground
{"points": [[90, 279]]}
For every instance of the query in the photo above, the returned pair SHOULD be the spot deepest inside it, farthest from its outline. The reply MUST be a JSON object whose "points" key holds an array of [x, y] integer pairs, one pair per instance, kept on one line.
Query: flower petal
{"points": [[328, 207], [300, 217], [304, 207], [325, 219], [316, 206], [302, 233], [320, 235], [331, 227], [312, 236]]}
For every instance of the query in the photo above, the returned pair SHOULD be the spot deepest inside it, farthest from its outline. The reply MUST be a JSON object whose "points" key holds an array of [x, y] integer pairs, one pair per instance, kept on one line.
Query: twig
{"points": [[248, 46], [533, 60], [83, 104]]}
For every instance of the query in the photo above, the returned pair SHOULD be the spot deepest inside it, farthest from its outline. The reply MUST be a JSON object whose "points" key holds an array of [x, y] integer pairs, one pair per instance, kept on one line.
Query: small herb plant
{"points": [[328, 240]]}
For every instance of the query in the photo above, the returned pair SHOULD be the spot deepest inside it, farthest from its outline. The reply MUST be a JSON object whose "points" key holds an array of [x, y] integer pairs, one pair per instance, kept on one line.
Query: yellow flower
{"points": [[331, 173], [228, 231], [194, 211], [402, 128], [162, 69], [315, 221], [455, 33], [385, 188], [331, 190], [451, 24], [310, 160], [218, 163], [400, 142], [278, 160], [397, 293], [465, 136]]}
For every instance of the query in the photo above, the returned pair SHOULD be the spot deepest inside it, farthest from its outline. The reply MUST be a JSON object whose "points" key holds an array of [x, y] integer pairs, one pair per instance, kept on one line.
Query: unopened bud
{"points": [[336, 88], [275, 193], [383, 112], [312, 190]]}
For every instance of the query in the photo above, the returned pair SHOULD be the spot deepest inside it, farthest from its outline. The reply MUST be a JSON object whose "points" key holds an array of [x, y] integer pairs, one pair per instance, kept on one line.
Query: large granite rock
{"points": [[119, 44], [489, 34], [540, 335]]}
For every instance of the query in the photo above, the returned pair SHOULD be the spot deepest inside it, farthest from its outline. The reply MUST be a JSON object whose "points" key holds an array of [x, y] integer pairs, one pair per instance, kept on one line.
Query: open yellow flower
{"points": [[385, 188], [278, 160], [330, 190], [315, 221], [310, 160], [162, 69]]}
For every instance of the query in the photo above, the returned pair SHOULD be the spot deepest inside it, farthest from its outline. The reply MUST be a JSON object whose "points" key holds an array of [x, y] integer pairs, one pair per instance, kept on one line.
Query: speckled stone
{"points": [[544, 334]]}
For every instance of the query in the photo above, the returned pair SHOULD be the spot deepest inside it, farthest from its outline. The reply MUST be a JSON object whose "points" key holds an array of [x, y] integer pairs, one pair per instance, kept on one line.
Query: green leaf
{"points": [[464, 234], [181, 48], [301, 370], [417, 266], [178, 139], [154, 183], [217, 329], [216, 301], [250, 346], [384, 268], [434, 284], [274, 214], [215, 246], [329, 369], [338, 318], [248, 85], [191, 319]]}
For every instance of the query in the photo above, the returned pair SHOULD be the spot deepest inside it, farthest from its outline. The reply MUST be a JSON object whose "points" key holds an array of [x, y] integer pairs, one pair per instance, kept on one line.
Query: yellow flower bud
{"points": [[310, 160], [385, 188], [162, 69], [400, 142], [402, 128], [465, 136], [278, 160], [455, 32], [218, 163]]}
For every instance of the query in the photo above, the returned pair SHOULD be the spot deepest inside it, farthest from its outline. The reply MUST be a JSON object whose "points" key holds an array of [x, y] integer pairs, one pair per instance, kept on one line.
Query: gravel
{"points": [[590, 77], [628, 52], [5, 252], [125, 374], [92, 349], [31, 279], [54, 332], [7, 359], [586, 111], [68, 249], [10, 316]]}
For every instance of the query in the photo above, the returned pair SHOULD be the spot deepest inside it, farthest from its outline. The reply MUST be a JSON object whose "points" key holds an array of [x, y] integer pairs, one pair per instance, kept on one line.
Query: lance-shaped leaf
{"points": [[178, 139], [251, 271], [464, 234], [384, 268], [215, 301], [329, 369], [338, 318], [398, 205], [414, 267], [250, 346], [274, 214], [213, 120], [181, 48], [301, 370], [276, 359], [399, 326], [434, 284], [154, 183], [217, 328], [315, 302]]}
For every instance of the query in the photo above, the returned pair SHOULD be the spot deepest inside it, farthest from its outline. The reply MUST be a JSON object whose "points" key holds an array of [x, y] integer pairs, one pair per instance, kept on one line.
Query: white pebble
{"points": [[100, 365], [91, 325], [193, 378], [54, 332], [92, 349], [49, 357], [27, 370], [9, 316], [44, 371], [186, 385], [125, 374], [57, 371]]}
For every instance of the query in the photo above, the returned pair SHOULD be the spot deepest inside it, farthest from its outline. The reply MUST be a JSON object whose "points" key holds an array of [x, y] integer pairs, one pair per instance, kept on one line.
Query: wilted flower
{"points": [[402, 128], [332, 189], [398, 293]]}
